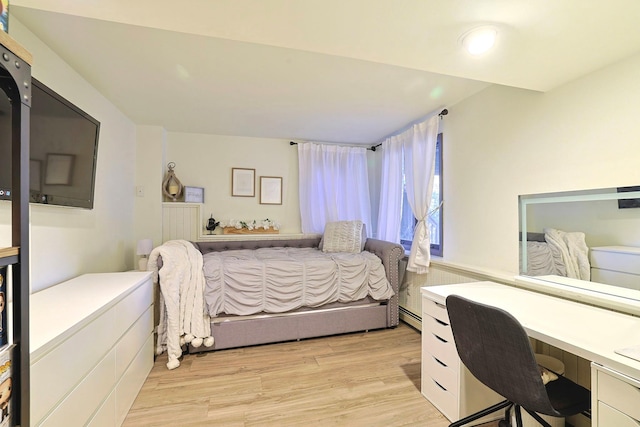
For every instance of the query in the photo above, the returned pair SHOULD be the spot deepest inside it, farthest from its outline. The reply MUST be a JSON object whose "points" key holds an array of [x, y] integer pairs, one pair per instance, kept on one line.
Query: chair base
{"points": [[506, 422], [490, 410]]}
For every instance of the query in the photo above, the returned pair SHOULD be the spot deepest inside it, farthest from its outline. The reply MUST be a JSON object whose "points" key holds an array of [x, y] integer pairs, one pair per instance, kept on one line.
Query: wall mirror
{"points": [[588, 239]]}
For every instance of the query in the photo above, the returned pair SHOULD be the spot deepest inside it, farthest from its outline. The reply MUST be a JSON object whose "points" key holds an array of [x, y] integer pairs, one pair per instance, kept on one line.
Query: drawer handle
{"points": [[441, 322], [438, 384], [440, 305], [440, 362], [440, 339]]}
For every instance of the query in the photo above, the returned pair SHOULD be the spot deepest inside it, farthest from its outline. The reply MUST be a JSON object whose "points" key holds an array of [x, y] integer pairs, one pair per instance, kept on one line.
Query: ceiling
{"points": [[351, 71]]}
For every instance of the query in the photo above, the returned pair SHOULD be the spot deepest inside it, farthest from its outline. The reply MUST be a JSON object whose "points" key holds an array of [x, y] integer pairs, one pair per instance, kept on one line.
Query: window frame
{"points": [[437, 249]]}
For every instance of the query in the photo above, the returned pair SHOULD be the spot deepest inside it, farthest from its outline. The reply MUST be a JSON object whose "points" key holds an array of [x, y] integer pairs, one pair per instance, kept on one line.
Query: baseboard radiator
{"points": [[409, 297]]}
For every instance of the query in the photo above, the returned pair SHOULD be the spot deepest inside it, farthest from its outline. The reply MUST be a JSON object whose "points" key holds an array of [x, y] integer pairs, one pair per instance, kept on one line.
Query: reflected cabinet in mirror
{"points": [[589, 235]]}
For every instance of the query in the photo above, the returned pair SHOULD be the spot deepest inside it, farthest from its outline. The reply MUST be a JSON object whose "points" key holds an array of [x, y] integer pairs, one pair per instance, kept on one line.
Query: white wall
{"points": [[206, 161], [66, 242], [601, 221], [150, 168], [500, 143], [503, 142]]}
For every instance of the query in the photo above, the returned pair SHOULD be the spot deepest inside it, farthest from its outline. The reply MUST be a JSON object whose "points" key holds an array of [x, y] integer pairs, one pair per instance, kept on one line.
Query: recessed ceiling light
{"points": [[479, 40]]}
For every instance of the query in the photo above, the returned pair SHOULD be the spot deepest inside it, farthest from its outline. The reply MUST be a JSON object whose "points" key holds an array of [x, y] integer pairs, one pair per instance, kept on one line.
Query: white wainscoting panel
{"points": [[180, 221]]}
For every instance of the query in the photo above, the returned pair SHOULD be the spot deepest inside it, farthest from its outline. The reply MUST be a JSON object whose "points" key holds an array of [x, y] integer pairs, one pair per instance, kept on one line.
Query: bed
{"points": [[263, 322], [556, 252]]}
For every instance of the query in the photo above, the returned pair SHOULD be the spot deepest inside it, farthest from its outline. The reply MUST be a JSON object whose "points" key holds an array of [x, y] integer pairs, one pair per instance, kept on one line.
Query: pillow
{"points": [[344, 236]]}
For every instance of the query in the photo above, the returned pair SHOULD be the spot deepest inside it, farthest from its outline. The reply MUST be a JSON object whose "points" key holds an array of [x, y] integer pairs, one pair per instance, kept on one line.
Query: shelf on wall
{"points": [[7, 252], [9, 255]]}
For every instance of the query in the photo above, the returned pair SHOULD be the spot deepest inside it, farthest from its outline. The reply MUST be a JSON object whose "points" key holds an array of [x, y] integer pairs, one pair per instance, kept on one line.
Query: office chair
{"points": [[495, 348]]}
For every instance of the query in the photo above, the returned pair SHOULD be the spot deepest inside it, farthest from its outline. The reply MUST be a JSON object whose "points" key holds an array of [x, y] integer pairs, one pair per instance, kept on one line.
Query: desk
{"points": [[589, 332]]}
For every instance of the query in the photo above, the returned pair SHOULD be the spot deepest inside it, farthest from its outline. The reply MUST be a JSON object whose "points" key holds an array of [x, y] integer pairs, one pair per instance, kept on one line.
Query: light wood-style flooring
{"points": [[360, 379]]}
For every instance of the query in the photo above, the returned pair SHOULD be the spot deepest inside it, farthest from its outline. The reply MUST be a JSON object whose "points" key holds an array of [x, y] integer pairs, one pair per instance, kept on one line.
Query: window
{"points": [[408, 221]]}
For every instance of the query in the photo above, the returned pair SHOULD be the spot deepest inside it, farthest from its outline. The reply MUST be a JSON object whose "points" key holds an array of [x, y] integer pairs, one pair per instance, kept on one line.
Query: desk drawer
{"points": [[437, 327], [446, 376], [442, 348], [435, 310], [621, 395], [442, 399], [607, 416]]}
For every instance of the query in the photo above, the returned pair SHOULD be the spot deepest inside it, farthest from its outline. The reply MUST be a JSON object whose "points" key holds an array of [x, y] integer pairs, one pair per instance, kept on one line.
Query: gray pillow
{"points": [[344, 236]]}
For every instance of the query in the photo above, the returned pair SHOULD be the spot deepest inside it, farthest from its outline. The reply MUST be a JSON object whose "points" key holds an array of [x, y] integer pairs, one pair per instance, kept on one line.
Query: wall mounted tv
{"points": [[63, 150]]}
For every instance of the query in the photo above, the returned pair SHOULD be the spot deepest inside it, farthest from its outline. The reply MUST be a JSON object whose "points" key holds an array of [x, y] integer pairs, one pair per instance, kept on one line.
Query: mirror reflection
{"points": [[590, 235]]}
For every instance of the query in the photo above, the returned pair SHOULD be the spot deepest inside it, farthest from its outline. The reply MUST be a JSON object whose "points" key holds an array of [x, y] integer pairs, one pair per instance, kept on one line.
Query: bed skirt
{"points": [[295, 326]]}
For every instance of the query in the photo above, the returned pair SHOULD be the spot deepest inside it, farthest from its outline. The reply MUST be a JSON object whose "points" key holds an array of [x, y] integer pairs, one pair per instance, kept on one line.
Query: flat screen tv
{"points": [[63, 150]]}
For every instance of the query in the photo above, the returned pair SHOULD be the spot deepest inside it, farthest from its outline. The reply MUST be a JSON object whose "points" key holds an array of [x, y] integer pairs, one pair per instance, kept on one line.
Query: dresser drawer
{"points": [[435, 310], [79, 404], [441, 398], [105, 416], [437, 327], [619, 394], [57, 372], [607, 416], [446, 376]]}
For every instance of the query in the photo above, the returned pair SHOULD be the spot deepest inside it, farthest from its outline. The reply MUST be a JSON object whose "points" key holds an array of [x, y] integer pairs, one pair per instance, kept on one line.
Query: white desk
{"points": [[589, 332]]}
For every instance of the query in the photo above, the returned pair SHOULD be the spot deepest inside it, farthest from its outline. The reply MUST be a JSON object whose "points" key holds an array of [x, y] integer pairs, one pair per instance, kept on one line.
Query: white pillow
{"points": [[344, 236]]}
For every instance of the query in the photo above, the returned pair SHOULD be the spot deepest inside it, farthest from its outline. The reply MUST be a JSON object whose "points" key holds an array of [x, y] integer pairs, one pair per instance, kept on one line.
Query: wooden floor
{"points": [[361, 379]]}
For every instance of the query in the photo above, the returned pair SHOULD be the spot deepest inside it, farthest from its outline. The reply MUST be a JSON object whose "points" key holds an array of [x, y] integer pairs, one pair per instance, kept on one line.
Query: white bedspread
{"points": [[275, 280]]}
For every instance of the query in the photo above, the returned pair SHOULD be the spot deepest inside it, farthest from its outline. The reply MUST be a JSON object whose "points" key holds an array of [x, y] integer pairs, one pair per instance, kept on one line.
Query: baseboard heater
{"points": [[410, 318]]}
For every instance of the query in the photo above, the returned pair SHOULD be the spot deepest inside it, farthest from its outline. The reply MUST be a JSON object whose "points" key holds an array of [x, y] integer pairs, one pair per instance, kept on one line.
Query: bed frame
{"points": [[307, 323]]}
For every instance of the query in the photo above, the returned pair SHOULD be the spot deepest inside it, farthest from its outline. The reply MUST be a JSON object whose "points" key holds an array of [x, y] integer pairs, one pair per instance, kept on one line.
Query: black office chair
{"points": [[495, 348]]}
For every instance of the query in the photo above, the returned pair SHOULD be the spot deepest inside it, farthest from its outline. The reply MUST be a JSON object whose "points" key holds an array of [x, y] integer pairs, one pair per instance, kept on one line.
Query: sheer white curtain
{"points": [[419, 164], [418, 147], [334, 185], [390, 211]]}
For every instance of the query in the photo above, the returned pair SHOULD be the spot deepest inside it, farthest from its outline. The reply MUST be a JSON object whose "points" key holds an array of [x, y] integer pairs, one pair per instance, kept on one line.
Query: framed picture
{"points": [[270, 190], [243, 182], [59, 169], [193, 194]]}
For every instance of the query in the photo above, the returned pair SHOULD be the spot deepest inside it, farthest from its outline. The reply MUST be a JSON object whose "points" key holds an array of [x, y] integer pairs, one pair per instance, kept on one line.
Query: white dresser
{"points": [[616, 265], [446, 382], [91, 348]]}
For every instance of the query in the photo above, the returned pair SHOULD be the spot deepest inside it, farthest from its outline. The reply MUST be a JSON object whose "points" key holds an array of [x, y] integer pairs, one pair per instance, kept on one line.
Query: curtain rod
{"points": [[441, 114], [368, 148]]}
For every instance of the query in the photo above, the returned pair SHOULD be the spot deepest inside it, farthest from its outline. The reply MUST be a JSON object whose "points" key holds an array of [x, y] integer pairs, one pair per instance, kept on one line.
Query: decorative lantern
{"points": [[171, 186]]}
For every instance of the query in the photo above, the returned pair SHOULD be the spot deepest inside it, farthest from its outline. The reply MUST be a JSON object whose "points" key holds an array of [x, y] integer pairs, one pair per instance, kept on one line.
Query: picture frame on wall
{"points": [[270, 190], [243, 182], [193, 194]]}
